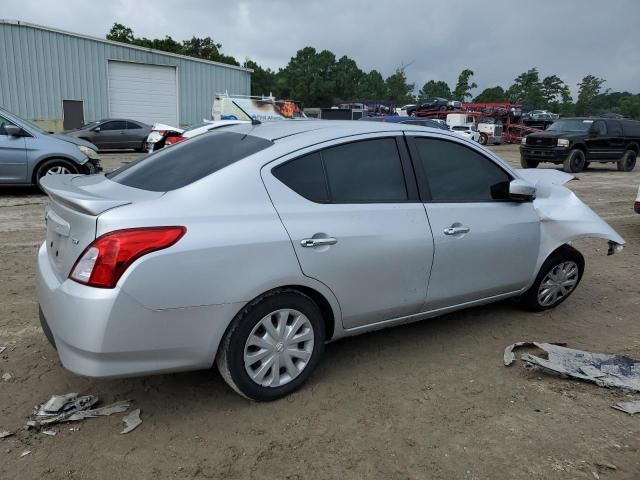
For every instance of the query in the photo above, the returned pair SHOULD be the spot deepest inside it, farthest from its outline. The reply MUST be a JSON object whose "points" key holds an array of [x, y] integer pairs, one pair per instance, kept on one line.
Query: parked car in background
{"points": [[28, 153], [114, 134], [432, 105], [253, 245], [402, 111], [468, 131], [576, 142], [164, 135], [454, 105]]}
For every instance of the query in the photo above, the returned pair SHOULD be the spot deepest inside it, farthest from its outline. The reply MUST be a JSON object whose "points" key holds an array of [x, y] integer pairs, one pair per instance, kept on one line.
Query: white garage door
{"points": [[147, 93]]}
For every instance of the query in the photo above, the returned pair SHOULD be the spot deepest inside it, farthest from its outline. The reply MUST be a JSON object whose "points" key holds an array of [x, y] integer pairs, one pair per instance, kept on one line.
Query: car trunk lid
{"points": [[75, 203]]}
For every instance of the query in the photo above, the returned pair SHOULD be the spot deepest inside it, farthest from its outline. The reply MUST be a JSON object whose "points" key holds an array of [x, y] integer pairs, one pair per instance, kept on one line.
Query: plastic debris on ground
{"points": [[605, 370], [2, 349], [6, 376], [628, 407], [132, 421], [51, 433], [72, 407], [6, 433], [25, 453]]}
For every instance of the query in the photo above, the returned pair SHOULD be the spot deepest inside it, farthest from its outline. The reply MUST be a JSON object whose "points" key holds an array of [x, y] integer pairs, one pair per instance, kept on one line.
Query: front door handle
{"points": [[456, 230], [317, 242]]}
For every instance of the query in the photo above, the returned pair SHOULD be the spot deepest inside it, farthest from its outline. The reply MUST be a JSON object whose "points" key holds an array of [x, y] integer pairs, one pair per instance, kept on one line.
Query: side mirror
{"points": [[97, 129], [521, 191], [13, 130]]}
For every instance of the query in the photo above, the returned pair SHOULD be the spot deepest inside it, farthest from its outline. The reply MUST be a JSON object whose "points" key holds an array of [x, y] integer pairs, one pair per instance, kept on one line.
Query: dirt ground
{"points": [[430, 400]]}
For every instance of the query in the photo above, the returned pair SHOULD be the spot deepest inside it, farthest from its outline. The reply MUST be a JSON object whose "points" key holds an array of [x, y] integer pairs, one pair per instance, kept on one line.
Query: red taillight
{"points": [[104, 261], [174, 139]]}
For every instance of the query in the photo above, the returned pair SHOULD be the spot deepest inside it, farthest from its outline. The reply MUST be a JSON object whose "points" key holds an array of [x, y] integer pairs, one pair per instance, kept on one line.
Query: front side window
{"points": [[116, 125], [455, 173], [368, 171], [600, 127]]}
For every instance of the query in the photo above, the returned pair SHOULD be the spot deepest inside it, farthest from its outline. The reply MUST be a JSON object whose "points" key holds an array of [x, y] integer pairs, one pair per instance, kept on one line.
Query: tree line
{"points": [[319, 79]]}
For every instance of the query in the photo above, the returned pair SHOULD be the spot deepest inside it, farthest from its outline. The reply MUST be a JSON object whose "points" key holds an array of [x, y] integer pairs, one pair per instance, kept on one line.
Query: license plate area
{"points": [[58, 231]]}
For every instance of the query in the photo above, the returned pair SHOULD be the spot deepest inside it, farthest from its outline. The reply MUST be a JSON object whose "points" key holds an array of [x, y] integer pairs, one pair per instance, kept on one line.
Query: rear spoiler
{"points": [[62, 190]]}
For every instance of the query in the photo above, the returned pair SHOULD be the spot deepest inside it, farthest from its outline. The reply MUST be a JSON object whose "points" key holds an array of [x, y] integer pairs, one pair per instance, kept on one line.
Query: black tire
{"points": [[575, 162], [59, 164], [230, 358], [482, 140], [566, 253], [628, 161], [526, 163]]}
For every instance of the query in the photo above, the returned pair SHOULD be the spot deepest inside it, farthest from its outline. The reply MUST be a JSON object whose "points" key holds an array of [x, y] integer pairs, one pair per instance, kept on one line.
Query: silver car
{"points": [[28, 153], [254, 245]]}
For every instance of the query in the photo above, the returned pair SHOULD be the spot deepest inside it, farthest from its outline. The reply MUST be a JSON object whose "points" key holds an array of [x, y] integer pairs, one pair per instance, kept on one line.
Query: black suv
{"points": [[576, 142]]}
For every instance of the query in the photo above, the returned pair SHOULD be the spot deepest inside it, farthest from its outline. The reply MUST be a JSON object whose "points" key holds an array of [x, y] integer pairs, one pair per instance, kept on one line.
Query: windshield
{"points": [[571, 125]]}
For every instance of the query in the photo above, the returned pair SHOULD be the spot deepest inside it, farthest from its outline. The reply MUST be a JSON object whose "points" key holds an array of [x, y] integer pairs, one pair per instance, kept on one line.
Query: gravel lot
{"points": [[428, 401]]}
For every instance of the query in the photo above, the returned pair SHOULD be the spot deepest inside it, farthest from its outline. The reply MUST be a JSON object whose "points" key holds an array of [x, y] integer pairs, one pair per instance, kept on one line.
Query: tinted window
{"points": [[133, 126], [601, 127], [615, 129], [118, 125], [305, 176], [631, 128], [456, 173], [184, 163], [368, 171]]}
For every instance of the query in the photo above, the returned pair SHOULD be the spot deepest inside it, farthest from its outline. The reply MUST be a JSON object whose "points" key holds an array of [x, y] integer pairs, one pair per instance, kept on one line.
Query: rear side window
{"points": [[631, 128], [305, 176], [455, 173], [369, 171], [133, 126], [182, 164], [614, 128]]}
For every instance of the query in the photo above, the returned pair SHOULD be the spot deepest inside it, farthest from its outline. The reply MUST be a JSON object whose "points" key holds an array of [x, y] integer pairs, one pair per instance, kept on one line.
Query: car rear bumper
{"points": [[544, 154], [107, 333]]}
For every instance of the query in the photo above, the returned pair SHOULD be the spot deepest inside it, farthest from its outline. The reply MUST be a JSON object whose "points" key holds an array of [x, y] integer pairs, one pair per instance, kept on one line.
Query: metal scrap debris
{"points": [[605, 370], [509, 356], [72, 408], [628, 407], [132, 421]]}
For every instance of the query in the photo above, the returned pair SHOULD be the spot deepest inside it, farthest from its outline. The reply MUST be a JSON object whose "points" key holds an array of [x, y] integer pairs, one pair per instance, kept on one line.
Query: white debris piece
{"points": [[6, 376], [132, 421], [5, 433], [117, 407], [51, 433], [2, 349], [57, 404], [25, 453], [628, 407]]}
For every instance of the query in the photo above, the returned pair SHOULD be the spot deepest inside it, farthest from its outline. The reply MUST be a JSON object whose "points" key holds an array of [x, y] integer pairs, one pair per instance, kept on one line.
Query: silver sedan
{"points": [[254, 245]]}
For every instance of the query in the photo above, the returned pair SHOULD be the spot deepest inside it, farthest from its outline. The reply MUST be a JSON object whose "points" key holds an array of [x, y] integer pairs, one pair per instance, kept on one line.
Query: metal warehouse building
{"points": [[62, 79]]}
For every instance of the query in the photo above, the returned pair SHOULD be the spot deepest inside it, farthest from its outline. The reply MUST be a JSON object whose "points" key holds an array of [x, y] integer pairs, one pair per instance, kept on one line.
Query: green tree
{"points": [[463, 88], [492, 95], [433, 89], [207, 49], [372, 86], [588, 89], [527, 89], [347, 77], [555, 92], [309, 77], [630, 106], [398, 90], [120, 33], [263, 81]]}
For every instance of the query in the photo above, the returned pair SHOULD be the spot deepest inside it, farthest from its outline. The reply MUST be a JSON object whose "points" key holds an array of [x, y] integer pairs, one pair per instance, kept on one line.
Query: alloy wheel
{"points": [[58, 170], [558, 283], [278, 348]]}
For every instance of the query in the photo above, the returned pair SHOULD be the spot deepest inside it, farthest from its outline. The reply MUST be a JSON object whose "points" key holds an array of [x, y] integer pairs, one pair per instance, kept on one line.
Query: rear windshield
{"points": [[182, 164]]}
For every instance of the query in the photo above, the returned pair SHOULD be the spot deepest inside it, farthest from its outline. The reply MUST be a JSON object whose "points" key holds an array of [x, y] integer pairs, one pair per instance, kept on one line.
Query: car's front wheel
{"points": [[557, 279], [575, 162], [56, 166], [272, 346]]}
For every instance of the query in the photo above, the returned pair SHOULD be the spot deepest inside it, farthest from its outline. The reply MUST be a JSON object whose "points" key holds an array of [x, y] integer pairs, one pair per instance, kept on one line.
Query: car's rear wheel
{"points": [[557, 279], [628, 161], [272, 346], [575, 162], [55, 166], [526, 163]]}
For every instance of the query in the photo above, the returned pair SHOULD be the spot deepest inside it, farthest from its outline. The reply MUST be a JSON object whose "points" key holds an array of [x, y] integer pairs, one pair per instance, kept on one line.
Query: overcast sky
{"points": [[497, 39]]}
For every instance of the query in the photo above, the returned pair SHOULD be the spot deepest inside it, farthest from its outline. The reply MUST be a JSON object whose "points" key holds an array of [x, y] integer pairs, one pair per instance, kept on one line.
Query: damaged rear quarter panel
{"points": [[563, 216]]}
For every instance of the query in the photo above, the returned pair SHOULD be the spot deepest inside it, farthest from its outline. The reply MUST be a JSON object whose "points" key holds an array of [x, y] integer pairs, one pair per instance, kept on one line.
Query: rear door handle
{"points": [[456, 230], [317, 242]]}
